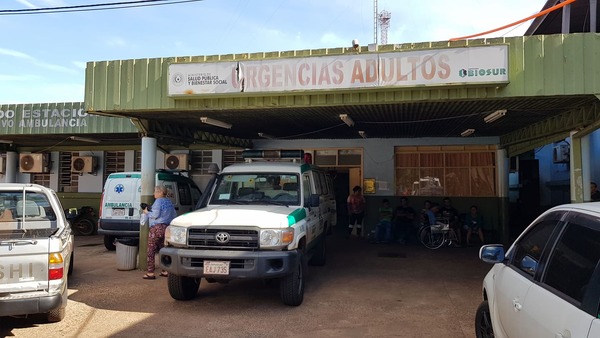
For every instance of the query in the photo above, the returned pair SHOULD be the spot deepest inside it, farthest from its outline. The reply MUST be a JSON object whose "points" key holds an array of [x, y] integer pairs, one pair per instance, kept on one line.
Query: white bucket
{"points": [[126, 256]]}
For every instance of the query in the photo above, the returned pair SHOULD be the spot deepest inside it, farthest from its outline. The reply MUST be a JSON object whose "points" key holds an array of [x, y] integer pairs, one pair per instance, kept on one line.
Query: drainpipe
{"points": [[566, 19], [593, 15]]}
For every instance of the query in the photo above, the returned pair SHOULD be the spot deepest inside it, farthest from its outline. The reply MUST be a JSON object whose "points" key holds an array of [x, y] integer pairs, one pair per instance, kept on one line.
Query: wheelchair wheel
{"points": [[431, 240]]}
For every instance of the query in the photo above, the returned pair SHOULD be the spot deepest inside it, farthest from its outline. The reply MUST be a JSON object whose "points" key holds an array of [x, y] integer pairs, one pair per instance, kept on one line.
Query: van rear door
{"points": [[121, 196]]}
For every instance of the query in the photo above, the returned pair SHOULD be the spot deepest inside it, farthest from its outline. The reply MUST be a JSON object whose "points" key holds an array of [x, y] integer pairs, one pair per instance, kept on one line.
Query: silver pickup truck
{"points": [[36, 252]]}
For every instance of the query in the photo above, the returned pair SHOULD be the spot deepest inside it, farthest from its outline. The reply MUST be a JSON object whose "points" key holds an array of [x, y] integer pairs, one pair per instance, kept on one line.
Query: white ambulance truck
{"points": [[261, 220]]}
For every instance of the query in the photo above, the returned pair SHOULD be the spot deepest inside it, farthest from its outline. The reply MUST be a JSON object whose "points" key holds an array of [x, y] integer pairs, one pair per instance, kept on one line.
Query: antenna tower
{"points": [[375, 22], [384, 22]]}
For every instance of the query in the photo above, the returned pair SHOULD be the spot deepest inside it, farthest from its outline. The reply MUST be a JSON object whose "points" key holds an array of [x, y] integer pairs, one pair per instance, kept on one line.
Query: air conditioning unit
{"points": [[2, 165], [560, 153], [34, 163], [83, 164], [176, 162]]}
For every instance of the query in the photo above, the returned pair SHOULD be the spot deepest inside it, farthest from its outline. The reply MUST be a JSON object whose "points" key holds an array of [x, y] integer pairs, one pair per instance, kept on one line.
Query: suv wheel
{"points": [[483, 321], [109, 243], [291, 287], [183, 288]]}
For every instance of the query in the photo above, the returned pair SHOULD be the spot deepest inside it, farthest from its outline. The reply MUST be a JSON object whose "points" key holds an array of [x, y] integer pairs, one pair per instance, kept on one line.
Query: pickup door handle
{"points": [[517, 305]]}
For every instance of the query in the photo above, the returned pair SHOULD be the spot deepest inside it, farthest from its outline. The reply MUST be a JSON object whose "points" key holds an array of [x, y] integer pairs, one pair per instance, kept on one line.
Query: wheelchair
{"points": [[437, 235]]}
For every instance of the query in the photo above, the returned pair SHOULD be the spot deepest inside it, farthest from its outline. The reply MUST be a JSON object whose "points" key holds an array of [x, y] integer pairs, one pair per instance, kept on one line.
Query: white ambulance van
{"points": [[121, 197], [259, 220]]}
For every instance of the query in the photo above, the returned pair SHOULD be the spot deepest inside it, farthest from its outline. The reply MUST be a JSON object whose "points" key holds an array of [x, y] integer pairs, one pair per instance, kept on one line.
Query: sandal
{"points": [[164, 274], [147, 276]]}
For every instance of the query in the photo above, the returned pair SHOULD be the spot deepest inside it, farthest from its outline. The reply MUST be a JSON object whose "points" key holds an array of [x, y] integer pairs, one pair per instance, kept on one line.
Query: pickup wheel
{"points": [[183, 288], [109, 243], [291, 287], [319, 257], [483, 321], [56, 315]]}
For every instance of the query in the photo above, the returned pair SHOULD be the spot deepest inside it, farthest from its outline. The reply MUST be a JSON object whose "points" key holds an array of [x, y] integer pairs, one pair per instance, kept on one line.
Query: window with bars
{"points": [[201, 160], [114, 162], [446, 170], [67, 180], [232, 156], [41, 179], [337, 157], [137, 160]]}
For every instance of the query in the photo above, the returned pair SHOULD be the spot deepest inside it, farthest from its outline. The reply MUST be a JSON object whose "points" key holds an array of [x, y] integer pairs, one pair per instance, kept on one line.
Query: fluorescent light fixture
{"points": [[347, 120], [467, 132], [362, 133], [494, 116], [6, 141], [263, 135], [84, 139], [215, 123]]}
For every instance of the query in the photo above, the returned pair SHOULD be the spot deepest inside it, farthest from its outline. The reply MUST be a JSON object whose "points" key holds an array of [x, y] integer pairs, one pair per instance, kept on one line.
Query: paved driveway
{"points": [[365, 290]]}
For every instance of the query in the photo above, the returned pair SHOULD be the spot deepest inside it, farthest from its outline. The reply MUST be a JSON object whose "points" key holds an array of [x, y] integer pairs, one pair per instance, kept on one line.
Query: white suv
{"points": [[548, 282], [261, 220]]}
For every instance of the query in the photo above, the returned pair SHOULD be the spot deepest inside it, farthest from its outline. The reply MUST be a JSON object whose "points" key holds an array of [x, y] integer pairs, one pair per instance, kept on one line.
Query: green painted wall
{"points": [[543, 65], [80, 199]]}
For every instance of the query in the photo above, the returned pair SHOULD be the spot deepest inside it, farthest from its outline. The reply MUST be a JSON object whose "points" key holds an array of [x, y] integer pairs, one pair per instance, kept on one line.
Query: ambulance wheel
{"points": [[183, 288], [291, 287], [109, 243]]}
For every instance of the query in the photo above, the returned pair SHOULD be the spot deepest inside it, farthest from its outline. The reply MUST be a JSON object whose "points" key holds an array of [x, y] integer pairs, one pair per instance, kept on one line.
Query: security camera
{"points": [[355, 43]]}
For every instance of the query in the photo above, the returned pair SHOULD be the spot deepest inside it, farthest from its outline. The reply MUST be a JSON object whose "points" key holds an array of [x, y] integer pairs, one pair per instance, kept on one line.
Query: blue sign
{"points": [[119, 188]]}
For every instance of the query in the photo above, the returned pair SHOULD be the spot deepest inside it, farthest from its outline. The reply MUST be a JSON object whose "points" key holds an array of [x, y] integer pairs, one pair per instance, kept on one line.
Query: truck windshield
{"points": [[257, 188]]}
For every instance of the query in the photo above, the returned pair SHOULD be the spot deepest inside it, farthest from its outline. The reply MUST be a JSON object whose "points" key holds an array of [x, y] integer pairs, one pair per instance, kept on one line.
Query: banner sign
{"points": [[439, 67]]}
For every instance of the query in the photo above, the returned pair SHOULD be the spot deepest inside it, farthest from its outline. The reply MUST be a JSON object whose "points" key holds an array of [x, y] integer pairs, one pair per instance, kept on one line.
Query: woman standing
{"points": [[160, 215]]}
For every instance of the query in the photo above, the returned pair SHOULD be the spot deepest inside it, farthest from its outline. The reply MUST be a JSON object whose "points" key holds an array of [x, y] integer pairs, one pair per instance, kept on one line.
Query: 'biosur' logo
{"points": [[473, 72]]}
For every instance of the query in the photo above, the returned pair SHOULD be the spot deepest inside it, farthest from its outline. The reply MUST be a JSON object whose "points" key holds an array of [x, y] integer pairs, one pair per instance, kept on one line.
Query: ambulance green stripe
{"points": [[296, 216]]}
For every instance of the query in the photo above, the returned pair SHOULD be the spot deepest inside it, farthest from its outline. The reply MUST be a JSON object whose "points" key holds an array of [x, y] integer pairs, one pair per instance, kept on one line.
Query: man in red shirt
{"points": [[356, 210]]}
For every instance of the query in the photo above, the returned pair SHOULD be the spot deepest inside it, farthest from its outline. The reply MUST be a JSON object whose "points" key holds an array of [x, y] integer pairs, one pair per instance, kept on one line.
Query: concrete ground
{"points": [[365, 290]]}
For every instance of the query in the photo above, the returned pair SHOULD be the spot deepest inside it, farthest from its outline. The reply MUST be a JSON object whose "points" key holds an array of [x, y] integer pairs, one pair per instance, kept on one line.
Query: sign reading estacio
{"points": [[55, 118], [453, 66], [46, 118]]}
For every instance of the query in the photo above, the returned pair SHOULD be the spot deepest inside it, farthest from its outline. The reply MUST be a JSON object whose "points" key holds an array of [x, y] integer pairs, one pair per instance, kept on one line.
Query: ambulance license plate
{"points": [[216, 267], [118, 212]]}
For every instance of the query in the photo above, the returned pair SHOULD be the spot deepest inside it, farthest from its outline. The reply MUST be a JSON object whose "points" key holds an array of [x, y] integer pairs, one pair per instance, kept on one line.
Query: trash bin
{"points": [[127, 250]]}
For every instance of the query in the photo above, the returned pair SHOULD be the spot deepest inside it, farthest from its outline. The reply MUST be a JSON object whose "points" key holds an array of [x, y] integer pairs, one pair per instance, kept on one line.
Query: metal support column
{"points": [[586, 168], [12, 163], [503, 169], [147, 193], [575, 170]]}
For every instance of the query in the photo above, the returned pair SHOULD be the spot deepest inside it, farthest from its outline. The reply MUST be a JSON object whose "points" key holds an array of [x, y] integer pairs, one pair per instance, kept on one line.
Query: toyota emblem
{"points": [[222, 237]]}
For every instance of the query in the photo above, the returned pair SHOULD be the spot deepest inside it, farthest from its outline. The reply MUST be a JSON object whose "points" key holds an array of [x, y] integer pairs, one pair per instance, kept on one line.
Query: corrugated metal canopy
{"points": [[414, 119]]}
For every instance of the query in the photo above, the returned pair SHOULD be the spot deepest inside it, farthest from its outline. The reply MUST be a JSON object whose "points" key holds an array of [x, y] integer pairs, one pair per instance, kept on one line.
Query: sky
{"points": [[43, 56]]}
